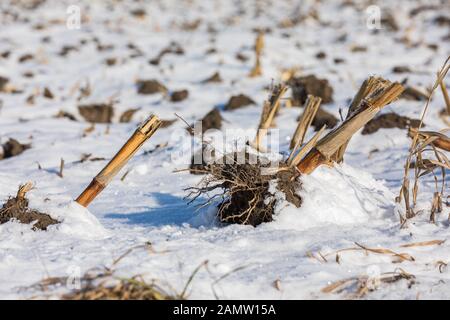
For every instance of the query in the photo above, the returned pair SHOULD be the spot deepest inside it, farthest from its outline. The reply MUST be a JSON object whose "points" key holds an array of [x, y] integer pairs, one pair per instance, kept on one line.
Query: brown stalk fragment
{"points": [[142, 133], [326, 148]]}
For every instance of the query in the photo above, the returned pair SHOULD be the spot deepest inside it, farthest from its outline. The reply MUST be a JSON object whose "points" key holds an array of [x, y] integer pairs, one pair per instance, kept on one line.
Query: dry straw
{"points": [[423, 141], [142, 133], [270, 109], [366, 108]]}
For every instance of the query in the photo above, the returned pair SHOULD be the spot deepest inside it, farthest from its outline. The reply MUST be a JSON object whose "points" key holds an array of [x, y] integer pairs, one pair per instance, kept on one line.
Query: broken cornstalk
{"points": [[259, 45], [104, 177], [327, 147], [311, 106], [368, 87], [270, 108]]}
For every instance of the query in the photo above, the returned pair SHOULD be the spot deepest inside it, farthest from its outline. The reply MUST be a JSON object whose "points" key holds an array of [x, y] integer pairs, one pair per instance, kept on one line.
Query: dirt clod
{"points": [[150, 87], [324, 117], [389, 120], [12, 148], [412, 93], [179, 95], [97, 113], [238, 101], [215, 78], [48, 94], [16, 209], [303, 86], [3, 82], [212, 120], [127, 115]]}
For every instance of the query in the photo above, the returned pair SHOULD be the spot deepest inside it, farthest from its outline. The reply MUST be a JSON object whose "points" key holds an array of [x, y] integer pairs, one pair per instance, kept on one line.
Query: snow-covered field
{"points": [[350, 203]]}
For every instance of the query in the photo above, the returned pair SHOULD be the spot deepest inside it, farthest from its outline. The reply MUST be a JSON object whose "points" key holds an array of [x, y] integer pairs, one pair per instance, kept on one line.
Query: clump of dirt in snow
{"points": [[323, 117], [180, 95], [238, 101], [3, 82], [12, 148], [390, 120], [212, 120], [248, 195], [127, 115], [215, 78], [150, 87], [304, 86], [65, 114], [97, 112], [16, 209], [412, 93]]}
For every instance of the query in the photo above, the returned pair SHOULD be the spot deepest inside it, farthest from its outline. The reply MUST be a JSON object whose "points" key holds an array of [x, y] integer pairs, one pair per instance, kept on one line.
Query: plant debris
{"points": [[16, 209], [390, 120]]}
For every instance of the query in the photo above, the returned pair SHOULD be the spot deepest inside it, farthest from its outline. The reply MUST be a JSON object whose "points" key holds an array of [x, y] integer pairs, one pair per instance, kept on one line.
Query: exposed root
{"points": [[246, 196], [16, 208]]}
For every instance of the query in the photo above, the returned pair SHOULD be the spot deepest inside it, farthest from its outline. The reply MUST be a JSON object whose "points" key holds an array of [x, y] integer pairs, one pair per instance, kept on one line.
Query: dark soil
{"points": [[303, 86], [401, 69], [12, 148], [178, 96], [389, 120], [150, 87], [97, 113], [212, 120], [173, 48], [411, 93], [127, 115], [238, 101], [167, 123], [48, 94], [16, 209], [64, 114], [3, 82], [324, 117], [215, 78]]}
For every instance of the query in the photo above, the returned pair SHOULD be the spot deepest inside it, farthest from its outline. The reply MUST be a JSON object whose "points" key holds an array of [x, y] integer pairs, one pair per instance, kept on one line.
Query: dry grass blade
{"points": [[445, 94], [423, 243], [259, 45], [440, 140], [401, 256], [364, 284], [309, 112], [415, 150]]}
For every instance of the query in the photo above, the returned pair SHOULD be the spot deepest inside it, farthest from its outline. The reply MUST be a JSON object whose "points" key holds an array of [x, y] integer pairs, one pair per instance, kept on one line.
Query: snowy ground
{"points": [[350, 203]]}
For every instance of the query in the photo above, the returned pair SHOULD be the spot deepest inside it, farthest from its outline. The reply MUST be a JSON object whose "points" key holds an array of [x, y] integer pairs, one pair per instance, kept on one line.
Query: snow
{"points": [[352, 202]]}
